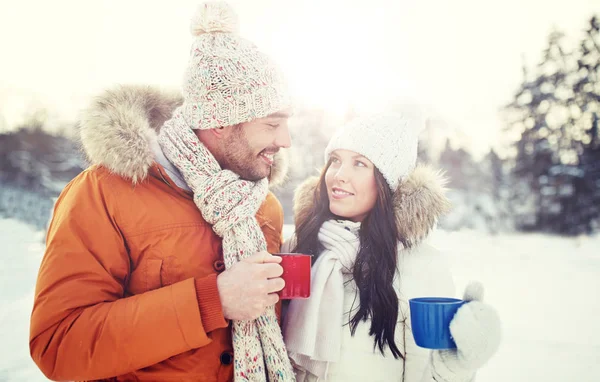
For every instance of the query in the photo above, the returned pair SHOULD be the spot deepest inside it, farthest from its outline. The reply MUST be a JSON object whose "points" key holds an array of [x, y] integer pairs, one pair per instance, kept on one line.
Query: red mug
{"points": [[296, 274]]}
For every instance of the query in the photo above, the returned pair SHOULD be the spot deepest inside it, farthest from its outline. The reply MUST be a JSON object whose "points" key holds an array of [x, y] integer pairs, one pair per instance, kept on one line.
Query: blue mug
{"points": [[431, 318]]}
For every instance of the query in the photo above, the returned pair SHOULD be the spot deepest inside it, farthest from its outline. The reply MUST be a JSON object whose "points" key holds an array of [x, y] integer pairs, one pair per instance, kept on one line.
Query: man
{"points": [[157, 264]]}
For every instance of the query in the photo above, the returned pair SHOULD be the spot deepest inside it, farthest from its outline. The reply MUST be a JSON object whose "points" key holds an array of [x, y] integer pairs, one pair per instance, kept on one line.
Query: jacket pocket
{"points": [[146, 277]]}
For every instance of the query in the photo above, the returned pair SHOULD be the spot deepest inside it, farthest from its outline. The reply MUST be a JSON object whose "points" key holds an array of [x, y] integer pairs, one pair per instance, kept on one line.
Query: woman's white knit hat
{"points": [[228, 80], [389, 140]]}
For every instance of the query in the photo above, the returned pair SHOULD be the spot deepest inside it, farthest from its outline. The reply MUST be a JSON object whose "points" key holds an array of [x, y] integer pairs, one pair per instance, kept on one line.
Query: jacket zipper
{"points": [[163, 177]]}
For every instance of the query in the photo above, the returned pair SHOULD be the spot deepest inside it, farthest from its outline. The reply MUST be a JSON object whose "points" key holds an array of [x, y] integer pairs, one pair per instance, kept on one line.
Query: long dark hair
{"points": [[376, 262]]}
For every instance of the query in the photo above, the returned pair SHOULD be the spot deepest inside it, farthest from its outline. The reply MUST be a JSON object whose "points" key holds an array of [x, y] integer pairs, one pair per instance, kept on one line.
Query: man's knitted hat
{"points": [[228, 80], [388, 140]]}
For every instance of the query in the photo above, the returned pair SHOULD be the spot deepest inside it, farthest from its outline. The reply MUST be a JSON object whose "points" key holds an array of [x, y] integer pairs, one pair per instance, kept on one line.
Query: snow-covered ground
{"points": [[545, 288], [547, 291], [21, 250]]}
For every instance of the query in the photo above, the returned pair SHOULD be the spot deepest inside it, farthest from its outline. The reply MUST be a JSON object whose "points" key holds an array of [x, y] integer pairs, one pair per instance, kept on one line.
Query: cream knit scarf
{"points": [[313, 327], [230, 204]]}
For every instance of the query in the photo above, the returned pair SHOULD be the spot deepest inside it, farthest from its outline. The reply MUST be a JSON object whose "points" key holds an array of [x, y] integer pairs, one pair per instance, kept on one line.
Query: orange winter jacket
{"points": [[127, 287]]}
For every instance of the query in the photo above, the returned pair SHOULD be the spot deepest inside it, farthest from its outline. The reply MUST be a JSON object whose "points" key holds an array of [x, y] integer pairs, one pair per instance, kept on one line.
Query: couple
{"points": [[158, 264]]}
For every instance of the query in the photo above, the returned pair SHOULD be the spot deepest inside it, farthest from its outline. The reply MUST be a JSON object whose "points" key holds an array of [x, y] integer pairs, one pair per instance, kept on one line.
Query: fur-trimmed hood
{"points": [[120, 128], [419, 201]]}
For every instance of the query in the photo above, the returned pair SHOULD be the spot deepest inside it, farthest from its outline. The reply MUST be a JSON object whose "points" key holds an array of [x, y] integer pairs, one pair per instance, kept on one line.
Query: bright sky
{"points": [[461, 58]]}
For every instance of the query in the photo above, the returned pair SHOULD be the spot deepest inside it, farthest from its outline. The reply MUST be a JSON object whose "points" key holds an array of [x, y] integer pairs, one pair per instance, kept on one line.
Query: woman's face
{"points": [[351, 186]]}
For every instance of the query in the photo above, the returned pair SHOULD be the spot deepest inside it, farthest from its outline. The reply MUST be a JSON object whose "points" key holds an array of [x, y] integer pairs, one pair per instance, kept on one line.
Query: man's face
{"points": [[248, 149]]}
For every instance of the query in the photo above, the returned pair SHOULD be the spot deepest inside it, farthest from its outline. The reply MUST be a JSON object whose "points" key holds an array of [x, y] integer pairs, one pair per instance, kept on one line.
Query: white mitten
{"points": [[476, 330]]}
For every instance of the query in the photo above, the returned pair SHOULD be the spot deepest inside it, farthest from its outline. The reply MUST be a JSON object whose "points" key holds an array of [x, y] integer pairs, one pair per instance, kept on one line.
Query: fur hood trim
{"points": [[120, 127], [418, 202]]}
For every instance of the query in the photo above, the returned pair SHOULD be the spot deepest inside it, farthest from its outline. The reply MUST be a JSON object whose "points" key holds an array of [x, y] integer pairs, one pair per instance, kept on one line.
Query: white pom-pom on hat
{"points": [[214, 16], [220, 61]]}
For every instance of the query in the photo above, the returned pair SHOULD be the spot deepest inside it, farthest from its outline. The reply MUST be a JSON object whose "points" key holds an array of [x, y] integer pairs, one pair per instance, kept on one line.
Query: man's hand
{"points": [[250, 286]]}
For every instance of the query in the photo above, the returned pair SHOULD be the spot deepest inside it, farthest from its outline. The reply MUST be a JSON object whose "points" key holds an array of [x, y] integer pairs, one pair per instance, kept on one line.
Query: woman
{"points": [[364, 219]]}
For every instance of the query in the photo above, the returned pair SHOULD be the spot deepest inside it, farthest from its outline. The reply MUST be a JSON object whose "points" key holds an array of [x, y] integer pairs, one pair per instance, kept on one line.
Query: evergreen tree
{"points": [[586, 206], [556, 167], [545, 151]]}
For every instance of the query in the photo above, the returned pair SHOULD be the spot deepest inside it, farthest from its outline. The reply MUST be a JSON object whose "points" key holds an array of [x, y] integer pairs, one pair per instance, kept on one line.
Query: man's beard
{"points": [[239, 157]]}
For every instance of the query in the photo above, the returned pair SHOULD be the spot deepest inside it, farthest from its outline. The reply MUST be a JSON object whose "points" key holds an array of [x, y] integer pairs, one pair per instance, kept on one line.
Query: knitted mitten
{"points": [[476, 330]]}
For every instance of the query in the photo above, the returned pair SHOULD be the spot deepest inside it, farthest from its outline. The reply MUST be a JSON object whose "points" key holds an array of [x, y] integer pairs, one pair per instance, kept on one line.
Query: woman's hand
{"points": [[476, 330]]}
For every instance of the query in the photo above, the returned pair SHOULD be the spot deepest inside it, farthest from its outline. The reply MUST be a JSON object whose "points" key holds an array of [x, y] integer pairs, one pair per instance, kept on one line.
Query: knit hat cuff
{"points": [[231, 110], [395, 162]]}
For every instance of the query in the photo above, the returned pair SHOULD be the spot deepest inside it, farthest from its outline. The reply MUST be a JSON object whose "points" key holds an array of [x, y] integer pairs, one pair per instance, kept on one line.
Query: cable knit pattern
{"points": [[230, 205], [228, 80], [388, 140]]}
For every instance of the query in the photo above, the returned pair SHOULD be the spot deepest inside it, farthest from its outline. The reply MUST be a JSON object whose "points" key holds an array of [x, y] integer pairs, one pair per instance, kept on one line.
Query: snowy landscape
{"points": [[512, 119], [544, 287]]}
